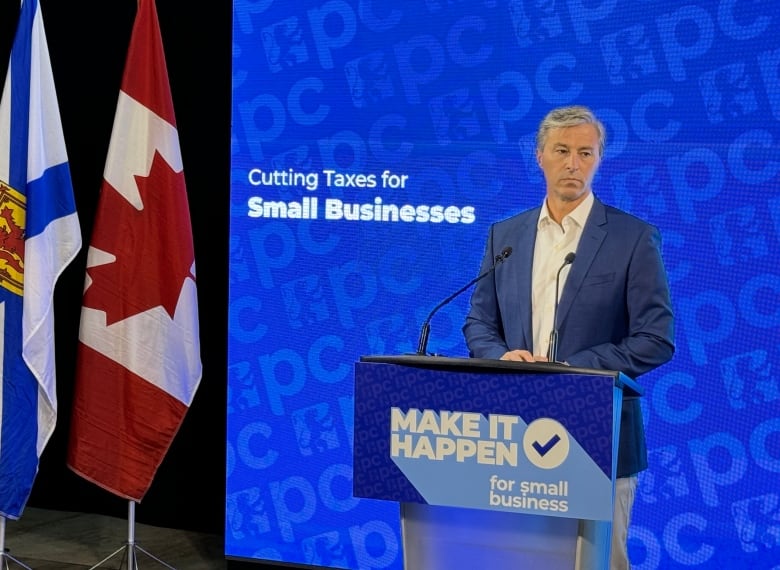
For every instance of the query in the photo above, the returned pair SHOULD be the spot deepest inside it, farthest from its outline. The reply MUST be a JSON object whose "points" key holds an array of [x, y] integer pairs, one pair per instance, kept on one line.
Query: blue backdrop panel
{"points": [[373, 144]]}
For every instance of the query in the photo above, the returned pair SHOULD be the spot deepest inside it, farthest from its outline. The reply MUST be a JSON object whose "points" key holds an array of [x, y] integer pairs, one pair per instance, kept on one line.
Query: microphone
{"points": [[552, 350], [422, 344]]}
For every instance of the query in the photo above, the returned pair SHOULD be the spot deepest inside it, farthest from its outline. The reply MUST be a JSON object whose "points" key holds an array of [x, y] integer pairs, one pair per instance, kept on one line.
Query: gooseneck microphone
{"points": [[552, 350], [422, 344]]}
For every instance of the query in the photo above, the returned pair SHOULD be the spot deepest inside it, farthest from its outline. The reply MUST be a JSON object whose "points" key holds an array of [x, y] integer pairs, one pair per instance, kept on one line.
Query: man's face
{"points": [[570, 159]]}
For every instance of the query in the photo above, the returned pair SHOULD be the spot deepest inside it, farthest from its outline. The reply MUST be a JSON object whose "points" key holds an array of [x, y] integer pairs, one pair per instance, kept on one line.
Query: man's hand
{"points": [[522, 356]]}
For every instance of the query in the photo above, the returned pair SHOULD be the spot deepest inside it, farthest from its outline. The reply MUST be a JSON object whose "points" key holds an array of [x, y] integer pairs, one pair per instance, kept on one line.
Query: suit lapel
{"points": [[524, 268], [593, 235]]}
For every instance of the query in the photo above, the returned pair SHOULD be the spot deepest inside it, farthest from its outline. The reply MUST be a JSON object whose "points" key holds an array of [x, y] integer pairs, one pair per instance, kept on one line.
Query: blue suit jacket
{"points": [[615, 311]]}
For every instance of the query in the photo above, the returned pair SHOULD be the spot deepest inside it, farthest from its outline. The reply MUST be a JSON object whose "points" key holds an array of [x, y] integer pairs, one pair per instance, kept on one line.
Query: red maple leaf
{"points": [[152, 246]]}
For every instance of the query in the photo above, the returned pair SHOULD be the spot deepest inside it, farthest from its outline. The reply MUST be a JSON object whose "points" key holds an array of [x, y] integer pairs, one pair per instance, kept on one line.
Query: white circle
{"points": [[546, 443]]}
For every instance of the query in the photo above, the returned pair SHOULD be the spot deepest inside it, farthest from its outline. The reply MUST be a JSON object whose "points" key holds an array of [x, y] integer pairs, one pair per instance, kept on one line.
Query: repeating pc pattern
{"points": [[373, 144]]}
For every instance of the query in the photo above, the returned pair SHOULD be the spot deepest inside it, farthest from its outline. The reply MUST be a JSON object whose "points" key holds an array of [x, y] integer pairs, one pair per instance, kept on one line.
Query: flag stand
{"points": [[4, 556], [128, 550]]}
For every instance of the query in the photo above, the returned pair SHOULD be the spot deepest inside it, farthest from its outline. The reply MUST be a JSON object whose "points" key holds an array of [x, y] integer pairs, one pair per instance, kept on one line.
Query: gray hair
{"points": [[569, 117]]}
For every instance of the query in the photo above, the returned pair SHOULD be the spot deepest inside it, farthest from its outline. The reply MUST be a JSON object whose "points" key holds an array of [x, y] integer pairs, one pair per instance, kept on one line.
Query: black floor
{"points": [[56, 540]]}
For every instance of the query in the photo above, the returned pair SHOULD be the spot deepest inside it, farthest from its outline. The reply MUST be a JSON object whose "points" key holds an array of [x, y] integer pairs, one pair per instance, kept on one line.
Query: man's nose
{"points": [[573, 162]]}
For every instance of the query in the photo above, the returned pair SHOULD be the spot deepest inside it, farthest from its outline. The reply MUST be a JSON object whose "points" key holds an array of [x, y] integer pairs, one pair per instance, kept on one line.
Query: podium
{"points": [[494, 464]]}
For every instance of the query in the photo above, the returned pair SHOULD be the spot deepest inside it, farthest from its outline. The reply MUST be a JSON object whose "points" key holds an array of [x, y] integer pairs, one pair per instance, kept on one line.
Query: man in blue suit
{"points": [[614, 310]]}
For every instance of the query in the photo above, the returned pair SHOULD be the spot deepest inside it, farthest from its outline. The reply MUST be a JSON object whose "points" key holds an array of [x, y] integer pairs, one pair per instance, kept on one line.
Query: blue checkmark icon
{"points": [[546, 443], [542, 449]]}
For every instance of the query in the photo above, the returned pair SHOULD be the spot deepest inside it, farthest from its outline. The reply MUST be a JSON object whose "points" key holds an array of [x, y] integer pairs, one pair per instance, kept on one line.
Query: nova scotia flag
{"points": [[39, 237]]}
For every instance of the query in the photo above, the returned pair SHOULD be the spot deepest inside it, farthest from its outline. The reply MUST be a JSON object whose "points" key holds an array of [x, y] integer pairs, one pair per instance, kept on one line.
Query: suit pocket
{"points": [[593, 280]]}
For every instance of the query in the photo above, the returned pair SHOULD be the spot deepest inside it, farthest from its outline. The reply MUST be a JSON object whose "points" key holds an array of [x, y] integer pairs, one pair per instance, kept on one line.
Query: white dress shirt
{"points": [[553, 243]]}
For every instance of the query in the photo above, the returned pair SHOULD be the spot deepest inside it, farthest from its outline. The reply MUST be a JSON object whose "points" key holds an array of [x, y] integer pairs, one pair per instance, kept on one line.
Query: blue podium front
{"points": [[496, 460]]}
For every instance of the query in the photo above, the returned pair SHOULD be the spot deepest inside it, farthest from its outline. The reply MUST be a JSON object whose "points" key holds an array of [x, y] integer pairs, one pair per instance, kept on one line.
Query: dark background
{"points": [[88, 41]]}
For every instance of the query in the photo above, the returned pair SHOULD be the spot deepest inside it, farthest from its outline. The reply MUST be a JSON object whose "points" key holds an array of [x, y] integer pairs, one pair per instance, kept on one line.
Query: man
{"points": [[615, 311]]}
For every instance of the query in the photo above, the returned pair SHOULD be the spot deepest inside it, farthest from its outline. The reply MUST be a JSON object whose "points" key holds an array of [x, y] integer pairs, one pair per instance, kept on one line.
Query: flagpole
{"points": [[130, 546], [131, 565], [4, 556]]}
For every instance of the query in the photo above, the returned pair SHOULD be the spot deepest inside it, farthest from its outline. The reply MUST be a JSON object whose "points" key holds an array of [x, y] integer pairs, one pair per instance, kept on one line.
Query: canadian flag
{"points": [[138, 362]]}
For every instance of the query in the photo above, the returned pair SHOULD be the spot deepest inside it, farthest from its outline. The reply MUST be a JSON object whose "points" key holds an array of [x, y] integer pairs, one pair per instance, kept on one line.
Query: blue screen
{"points": [[373, 142]]}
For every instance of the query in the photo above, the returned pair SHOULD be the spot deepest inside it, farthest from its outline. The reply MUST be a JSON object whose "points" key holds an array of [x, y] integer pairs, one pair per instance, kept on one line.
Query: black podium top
{"points": [[630, 387]]}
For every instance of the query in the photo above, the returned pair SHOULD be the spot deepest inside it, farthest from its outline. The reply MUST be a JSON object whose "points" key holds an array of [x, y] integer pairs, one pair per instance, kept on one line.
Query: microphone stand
{"points": [[425, 331], [552, 349], [422, 344]]}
